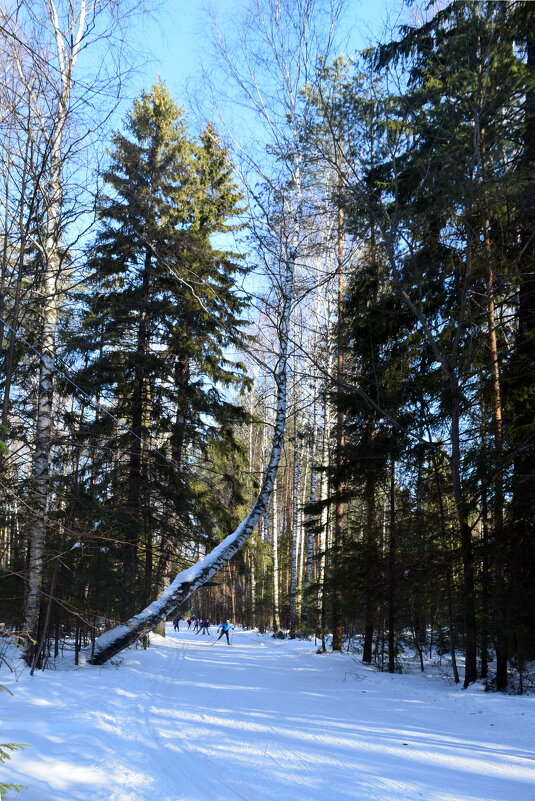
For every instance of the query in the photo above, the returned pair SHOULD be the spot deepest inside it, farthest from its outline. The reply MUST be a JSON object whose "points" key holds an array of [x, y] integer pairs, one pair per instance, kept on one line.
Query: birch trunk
{"points": [[295, 531], [325, 534], [186, 582], [51, 253], [311, 522], [340, 441], [252, 563], [275, 530], [305, 479], [41, 465]]}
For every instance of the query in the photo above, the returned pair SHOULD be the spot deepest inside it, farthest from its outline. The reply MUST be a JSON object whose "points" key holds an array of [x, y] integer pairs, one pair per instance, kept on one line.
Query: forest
{"points": [[298, 332]]}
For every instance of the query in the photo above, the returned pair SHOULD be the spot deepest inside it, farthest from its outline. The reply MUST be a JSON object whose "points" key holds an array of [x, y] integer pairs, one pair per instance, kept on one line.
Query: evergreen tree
{"points": [[163, 311], [520, 374], [448, 183]]}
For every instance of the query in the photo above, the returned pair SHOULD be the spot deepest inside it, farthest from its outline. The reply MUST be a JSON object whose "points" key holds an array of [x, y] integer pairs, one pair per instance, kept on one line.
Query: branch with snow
{"points": [[189, 580]]}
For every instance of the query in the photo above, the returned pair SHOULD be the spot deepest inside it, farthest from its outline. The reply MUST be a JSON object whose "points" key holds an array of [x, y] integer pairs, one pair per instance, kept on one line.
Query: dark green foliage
{"points": [[162, 313], [440, 199]]}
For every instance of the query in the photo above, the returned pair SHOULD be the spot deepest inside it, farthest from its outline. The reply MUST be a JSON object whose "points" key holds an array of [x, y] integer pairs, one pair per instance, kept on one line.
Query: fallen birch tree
{"points": [[187, 581]]}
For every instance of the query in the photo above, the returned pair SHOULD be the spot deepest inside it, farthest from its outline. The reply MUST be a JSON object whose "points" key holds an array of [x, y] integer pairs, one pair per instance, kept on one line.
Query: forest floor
{"points": [[262, 720]]}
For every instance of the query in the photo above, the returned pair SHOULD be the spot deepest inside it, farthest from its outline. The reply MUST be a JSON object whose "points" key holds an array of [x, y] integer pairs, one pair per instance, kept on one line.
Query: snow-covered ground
{"points": [[262, 720]]}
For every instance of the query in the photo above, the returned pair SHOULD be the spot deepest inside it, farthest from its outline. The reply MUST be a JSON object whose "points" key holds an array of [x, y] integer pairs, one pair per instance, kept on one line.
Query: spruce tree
{"points": [[451, 194], [520, 375], [162, 312]]}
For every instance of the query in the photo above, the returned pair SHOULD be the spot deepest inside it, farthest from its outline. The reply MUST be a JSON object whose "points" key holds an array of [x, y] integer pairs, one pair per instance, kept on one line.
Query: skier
{"points": [[176, 622], [224, 628], [204, 628]]}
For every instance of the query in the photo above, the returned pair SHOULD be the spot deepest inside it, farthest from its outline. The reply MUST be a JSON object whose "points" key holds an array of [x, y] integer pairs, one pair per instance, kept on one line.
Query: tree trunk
{"points": [[252, 581], [465, 532], [324, 533], [370, 580], [43, 436], [448, 566], [392, 549], [338, 536], [522, 546], [131, 535], [275, 552], [312, 520], [294, 580], [500, 625]]}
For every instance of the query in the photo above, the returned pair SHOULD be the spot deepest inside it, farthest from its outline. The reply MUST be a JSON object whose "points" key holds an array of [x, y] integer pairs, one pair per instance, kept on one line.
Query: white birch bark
{"points": [[295, 530], [311, 520], [325, 530], [51, 254], [275, 552], [304, 485], [252, 578]]}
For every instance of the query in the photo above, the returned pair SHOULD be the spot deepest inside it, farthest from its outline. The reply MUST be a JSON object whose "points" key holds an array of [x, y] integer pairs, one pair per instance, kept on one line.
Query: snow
{"points": [[262, 720]]}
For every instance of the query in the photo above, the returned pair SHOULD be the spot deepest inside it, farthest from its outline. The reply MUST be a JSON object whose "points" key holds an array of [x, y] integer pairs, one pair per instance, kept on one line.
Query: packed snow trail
{"points": [[261, 720]]}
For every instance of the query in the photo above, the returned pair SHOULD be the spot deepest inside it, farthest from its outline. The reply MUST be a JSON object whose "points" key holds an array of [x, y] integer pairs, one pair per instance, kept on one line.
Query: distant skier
{"points": [[176, 623], [190, 621], [196, 624], [204, 627], [224, 628]]}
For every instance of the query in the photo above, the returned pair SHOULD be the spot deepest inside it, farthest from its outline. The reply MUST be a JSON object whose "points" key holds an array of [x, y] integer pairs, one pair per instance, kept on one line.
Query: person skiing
{"points": [[176, 622], [224, 628], [204, 628]]}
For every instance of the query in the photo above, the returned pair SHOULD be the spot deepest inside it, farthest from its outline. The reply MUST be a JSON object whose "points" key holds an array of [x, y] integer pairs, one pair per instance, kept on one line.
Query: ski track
{"points": [[304, 758], [263, 720], [185, 765]]}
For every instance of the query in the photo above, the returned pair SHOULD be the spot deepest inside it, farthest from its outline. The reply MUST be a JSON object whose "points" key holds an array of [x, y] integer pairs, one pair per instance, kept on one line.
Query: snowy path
{"points": [[263, 720]]}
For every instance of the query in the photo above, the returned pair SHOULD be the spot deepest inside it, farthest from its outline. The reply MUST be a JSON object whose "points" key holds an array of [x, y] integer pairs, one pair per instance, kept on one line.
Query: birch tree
{"points": [[52, 35]]}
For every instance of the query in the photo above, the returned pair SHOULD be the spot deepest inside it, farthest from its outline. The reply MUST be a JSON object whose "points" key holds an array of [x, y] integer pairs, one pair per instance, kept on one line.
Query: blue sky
{"points": [[175, 43], [174, 38]]}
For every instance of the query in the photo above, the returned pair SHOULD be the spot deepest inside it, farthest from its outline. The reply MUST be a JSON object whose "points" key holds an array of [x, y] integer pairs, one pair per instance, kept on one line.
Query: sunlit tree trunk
{"points": [[295, 538], [52, 258], [312, 517], [338, 532], [275, 554]]}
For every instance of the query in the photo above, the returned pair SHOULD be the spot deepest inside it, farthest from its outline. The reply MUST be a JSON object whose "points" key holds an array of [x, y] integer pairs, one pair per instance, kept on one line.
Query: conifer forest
{"points": [[286, 333]]}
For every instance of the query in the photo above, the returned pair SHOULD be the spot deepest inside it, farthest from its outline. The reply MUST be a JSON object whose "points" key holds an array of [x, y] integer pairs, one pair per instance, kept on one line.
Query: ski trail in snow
{"points": [[268, 720], [202, 768], [186, 764], [162, 764], [264, 720]]}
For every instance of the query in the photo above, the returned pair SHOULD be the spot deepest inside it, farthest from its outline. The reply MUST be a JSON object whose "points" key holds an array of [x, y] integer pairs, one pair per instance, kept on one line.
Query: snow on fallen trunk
{"points": [[189, 580]]}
